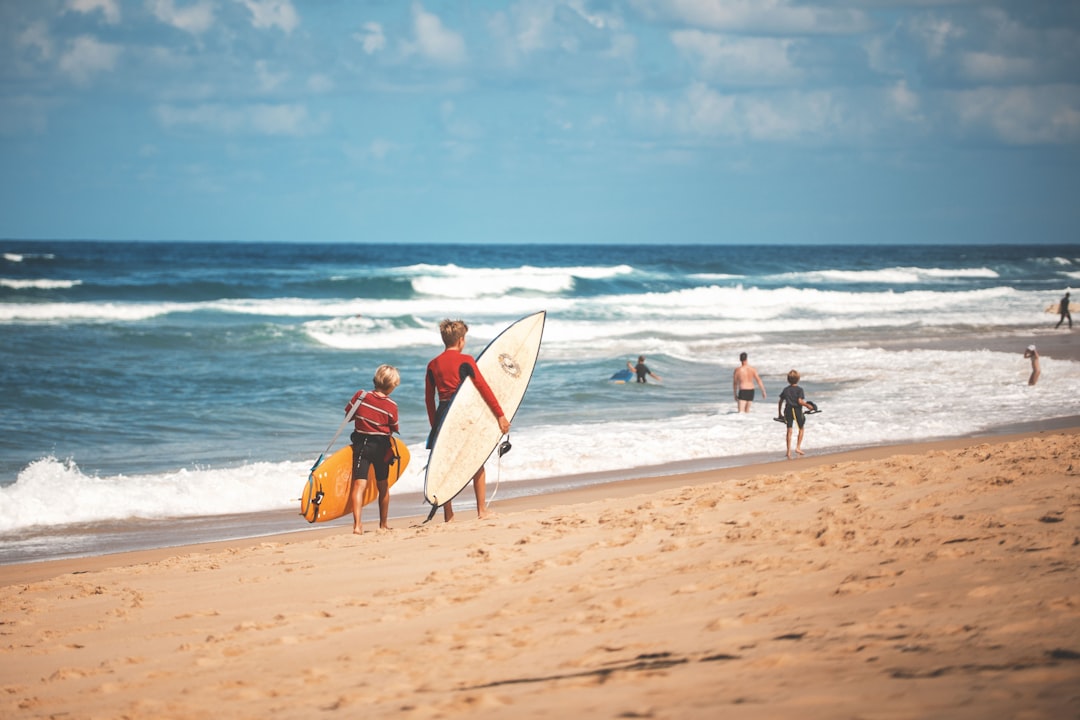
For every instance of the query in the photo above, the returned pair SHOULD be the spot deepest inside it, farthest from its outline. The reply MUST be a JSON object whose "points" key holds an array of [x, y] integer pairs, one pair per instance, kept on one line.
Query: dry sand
{"points": [[937, 580]]}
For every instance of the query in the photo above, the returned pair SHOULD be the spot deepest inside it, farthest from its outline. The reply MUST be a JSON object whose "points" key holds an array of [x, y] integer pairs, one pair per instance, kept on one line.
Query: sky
{"points": [[575, 121]]}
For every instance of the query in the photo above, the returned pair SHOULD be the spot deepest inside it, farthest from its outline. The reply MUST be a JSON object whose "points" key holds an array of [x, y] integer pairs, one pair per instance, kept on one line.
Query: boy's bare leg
{"points": [[789, 443], [479, 481], [384, 504], [356, 500], [798, 443], [480, 490]]}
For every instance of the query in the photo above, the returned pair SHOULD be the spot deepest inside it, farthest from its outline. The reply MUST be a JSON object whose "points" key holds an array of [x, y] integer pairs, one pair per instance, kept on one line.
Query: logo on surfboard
{"points": [[509, 365]]}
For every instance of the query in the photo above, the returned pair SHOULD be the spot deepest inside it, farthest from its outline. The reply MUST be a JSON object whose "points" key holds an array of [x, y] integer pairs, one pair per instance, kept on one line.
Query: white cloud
{"points": [[434, 41], [21, 114], [624, 46], [289, 119], [210, 117], [798, 116], [380, 148], [109, 8], [268, 80], [774, 117], [935, 33], [377, 151], [258, 119], [728, 59], [371, 38], [271, 13], [36, 37], [319, 83], [195, 19], [85, 57], [523, 29], [531, 27], [905, 103], [991, 67], [761, 16], [1021, 115], [455, 125]]}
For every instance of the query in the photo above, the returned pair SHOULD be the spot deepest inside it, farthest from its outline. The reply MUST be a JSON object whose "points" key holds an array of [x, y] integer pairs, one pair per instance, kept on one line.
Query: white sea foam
{"points": [[584, 327], [451, 281], [83, 312], [709, 310], [889, 276], [22, 257], [42, 284], [31, 500]]}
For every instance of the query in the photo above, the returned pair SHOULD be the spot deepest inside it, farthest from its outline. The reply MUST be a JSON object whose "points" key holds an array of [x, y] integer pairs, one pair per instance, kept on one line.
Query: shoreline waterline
{"points": [[134, 538]]}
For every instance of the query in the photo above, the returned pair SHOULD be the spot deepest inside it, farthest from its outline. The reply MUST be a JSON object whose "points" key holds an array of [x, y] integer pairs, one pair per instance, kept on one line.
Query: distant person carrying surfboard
{"points": [[1063, 308], [790, 410], [445, 373]]}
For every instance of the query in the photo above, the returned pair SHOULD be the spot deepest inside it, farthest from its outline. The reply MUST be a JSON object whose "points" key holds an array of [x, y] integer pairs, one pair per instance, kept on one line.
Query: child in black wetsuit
{"points": [[790, 407], [642, 370]]}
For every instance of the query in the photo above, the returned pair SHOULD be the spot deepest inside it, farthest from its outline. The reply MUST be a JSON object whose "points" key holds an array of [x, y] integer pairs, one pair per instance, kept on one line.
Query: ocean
{"points": [[157, 394]]}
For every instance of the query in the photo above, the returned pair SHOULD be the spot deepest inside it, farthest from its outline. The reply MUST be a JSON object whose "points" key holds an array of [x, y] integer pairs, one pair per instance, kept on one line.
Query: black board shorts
{"points": [[371, 450]]}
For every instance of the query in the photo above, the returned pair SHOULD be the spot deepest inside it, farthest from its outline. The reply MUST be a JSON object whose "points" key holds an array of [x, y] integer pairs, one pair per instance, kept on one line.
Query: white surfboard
{"points": [[469, 431]]}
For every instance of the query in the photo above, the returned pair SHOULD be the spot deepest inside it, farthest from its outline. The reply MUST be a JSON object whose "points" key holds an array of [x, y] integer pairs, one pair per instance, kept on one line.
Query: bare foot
{"points": [[800, 452], [486, 514], [385, 527], [357, 530]]}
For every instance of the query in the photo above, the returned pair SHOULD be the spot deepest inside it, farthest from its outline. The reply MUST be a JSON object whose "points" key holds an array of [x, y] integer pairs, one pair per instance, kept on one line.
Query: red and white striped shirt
{"points": [[377, 414]]}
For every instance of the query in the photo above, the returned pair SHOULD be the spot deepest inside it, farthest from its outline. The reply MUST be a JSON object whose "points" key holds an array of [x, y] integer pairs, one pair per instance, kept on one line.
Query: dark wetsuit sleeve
{"points": [[468, 368], [429, 395]]}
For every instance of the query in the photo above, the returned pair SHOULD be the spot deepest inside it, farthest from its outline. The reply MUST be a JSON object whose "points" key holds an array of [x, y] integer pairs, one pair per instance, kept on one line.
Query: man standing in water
{"points": [[743, 381], [1032, 353]]}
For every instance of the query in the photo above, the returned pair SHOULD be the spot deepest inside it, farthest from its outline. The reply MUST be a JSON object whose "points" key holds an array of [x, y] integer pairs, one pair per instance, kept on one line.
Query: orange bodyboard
{"points": [[333, 478]]}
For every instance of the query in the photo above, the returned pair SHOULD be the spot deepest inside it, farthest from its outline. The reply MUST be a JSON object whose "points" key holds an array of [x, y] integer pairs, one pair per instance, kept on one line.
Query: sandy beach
{"points": [[936, 580]]}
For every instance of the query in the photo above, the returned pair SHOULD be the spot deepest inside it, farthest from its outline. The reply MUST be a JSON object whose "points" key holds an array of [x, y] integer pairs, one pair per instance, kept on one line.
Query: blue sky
{"points": [[692, 121]]}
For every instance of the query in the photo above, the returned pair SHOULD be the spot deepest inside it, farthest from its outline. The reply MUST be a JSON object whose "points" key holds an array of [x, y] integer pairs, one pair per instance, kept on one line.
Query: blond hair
{"points": [[793, 377], [452, 331], [386, 378]]}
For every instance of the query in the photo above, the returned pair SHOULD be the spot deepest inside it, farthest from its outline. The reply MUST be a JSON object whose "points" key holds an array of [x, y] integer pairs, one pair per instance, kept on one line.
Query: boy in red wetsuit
{"points": [[445, 374], [375, 419]]}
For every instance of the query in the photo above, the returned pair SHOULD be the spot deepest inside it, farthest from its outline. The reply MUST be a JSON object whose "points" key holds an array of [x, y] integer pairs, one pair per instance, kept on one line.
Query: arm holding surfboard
{"points": [[445, 373]]}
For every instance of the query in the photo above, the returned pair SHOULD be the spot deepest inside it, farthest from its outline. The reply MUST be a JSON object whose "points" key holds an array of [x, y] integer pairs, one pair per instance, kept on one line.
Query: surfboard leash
{"points": [[348, 417], [504, 447], [434, 509]]}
